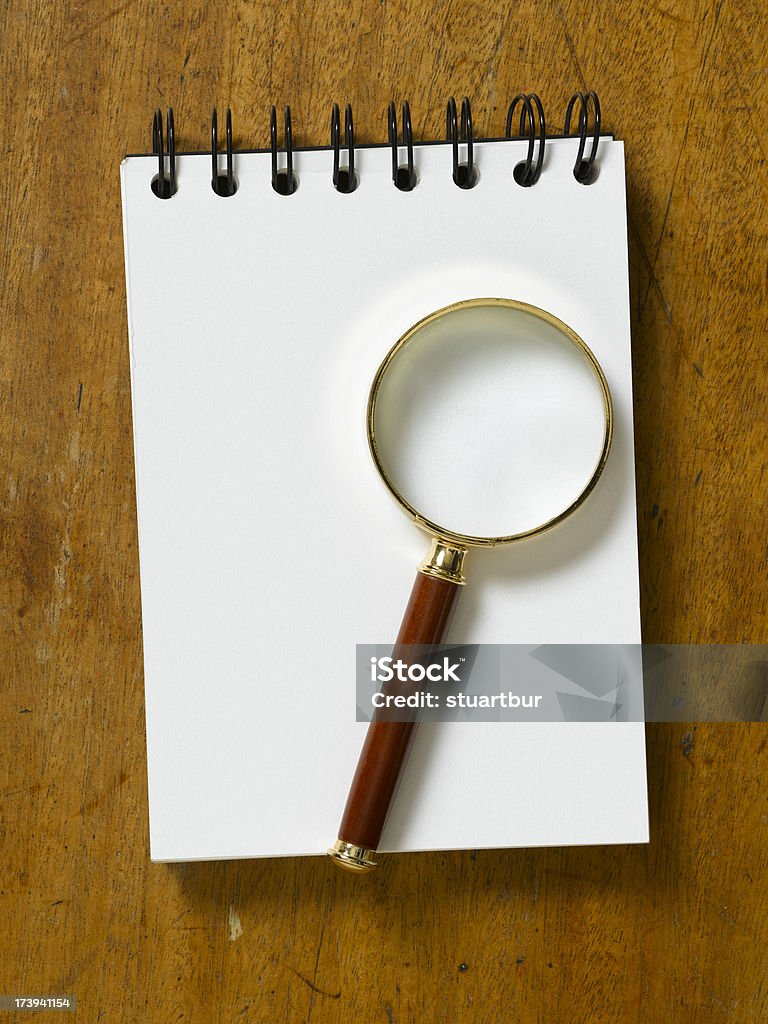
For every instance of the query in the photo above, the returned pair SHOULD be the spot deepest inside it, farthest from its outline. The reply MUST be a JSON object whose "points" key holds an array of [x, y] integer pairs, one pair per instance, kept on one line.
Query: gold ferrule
{"points": [[445, 562], [351, 857]]}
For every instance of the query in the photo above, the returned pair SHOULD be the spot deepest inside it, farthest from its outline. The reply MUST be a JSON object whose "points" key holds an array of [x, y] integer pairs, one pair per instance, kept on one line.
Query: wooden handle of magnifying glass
{"points": [[386, 746]]}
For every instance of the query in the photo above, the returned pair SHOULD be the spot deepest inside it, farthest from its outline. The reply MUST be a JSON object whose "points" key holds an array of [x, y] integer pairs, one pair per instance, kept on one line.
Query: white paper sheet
{"points": [[268, 546]]}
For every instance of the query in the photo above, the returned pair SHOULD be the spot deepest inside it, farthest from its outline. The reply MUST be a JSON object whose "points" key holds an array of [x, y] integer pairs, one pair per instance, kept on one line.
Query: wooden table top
{"points": [[672, 932]]}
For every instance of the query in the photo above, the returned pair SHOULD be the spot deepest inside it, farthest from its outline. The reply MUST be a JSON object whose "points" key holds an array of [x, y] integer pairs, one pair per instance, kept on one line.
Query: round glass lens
{"points": [[489, 420]]}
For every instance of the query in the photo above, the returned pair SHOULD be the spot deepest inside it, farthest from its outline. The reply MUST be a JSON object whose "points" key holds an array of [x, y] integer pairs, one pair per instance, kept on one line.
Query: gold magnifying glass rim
{"points": [[467, 539]]}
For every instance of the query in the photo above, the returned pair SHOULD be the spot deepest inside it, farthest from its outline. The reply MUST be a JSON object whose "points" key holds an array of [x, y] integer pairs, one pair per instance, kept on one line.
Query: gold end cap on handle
{"points": [[445, 562], [351, 857]]}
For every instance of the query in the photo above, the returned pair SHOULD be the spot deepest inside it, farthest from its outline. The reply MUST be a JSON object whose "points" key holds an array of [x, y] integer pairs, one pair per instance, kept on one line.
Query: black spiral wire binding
{"points": [[464, 175], [222, 184], [459, 133], [162, 186], [585, 171], [403, 176], [344, 178], [284, 180], [528, 172]]}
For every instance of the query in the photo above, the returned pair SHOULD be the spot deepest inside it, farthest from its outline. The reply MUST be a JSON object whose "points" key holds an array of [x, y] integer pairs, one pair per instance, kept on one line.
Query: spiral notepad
{"points": [[264, 288]]}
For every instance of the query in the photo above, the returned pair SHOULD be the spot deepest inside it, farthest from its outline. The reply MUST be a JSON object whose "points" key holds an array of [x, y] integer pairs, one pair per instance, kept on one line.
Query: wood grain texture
{"points": [[675, 932]]}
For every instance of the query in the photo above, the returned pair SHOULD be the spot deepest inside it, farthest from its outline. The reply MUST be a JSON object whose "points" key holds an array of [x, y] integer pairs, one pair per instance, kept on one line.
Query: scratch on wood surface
{"points": [[74, 446], [678, 338], [32, 787], [437, 64], [668, 14], [688, 742], [305, 34], [694, 97], [571, 47], [112, 787], [98, 23], [492, 64], [313, 987], [652, 278], [652, 263], [235, 927], [66, 981], [747, 108]]}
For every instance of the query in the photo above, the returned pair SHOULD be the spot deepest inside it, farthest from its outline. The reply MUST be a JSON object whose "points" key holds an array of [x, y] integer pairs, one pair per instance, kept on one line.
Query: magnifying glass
{"points": [[489, 422]]}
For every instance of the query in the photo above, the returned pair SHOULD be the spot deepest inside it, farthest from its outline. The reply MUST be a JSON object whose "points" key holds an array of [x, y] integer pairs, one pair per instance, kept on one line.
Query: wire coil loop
{"points": [[528, 171], [585, 170], [464, 174], [283, 180], [403, 175]]}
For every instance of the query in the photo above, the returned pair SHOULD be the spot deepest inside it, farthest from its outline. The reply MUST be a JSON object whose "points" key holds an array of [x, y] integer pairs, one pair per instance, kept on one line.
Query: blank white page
{"points": [[269, 547]]}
